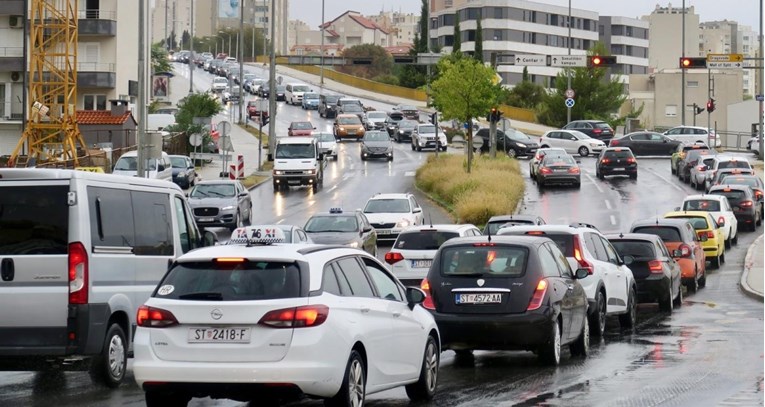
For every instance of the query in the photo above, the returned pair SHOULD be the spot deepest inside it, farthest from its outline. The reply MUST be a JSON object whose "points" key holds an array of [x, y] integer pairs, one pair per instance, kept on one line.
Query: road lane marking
{"points": [[613, 220], [280, 221], [410, 173], [608, 204], [665, 179], [594, 183]]}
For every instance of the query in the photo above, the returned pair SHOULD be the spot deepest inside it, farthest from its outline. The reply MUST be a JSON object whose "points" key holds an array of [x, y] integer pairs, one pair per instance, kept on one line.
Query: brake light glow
{"points": [[685, 250], [538, 297], [573, 170], [545, 170], [580, 258], [150, 317], [758, 194], [613, 143], [393, 257], [631, 160], [428, 303], [484, 244], [605, 161], [535, 232], [597, 131], [746, 204], [654, 266], [297, 317], [78, 273], [230, 260]]}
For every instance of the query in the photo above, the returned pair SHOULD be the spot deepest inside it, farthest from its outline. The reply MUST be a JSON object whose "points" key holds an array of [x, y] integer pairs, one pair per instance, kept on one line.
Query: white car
{"points": [[416, 246], [573, 141], [376, 120], [240, 322], [327, 144], [424, 136], [717, 163], [219, 84], [694, 134], [754, 146], [610, 286], [720, 209], [389, 214]]}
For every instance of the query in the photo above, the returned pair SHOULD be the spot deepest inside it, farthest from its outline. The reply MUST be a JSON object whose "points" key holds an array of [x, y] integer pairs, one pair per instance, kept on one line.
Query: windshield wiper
{"points": [[212, 296]]}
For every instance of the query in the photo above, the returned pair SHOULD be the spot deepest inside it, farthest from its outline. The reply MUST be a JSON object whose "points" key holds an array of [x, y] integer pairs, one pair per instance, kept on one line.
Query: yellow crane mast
{"points": [[51, 132]]}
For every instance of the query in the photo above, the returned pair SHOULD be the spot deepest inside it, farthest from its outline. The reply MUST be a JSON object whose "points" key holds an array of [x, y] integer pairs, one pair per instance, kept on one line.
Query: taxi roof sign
{"points": [[263, 235]]}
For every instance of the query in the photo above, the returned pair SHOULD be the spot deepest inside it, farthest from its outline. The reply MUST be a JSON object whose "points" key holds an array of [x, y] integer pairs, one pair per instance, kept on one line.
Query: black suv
{"points": [[744, 203], [616, 161], [597, 129], [327, 105], [514, 143]]}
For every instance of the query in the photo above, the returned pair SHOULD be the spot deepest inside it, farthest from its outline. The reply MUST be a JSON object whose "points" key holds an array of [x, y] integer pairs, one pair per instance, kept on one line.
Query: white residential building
{"points": [[402, 26], [627, 39], [12, 77], [665, 26], [351, 28], [728, 37]]}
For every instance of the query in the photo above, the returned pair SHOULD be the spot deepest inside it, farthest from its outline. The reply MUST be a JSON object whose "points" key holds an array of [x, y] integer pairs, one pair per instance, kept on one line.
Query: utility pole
{"points": [[141, 88], [568, 74], [174, 32], [265, 22], [493, 133], [272, 87], [682, 77], [241, 62], [762, 77], [191, 48], [710, 92], [321, 69], [167, 39]]}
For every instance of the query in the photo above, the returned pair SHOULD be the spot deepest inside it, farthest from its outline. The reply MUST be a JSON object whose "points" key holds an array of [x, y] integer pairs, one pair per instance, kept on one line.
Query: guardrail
{"points": [[11, 52], [97, 14], [734, 141], [96, 67]]}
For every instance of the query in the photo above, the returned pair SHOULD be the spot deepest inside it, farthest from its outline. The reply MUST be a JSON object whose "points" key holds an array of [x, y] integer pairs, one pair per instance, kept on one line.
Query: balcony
{"points": [[96, 75], [93, 23], [12, 59], [12, 7]]}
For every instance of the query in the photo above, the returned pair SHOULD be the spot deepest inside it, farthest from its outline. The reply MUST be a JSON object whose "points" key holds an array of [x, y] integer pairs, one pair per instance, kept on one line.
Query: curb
{"points": [[748, 260], [265, 180]]}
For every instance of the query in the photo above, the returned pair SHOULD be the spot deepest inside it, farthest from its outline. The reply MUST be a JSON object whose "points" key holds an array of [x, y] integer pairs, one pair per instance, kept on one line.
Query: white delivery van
{"points": [[293, 93], [80, 252], [155, 169], [298, 161]]}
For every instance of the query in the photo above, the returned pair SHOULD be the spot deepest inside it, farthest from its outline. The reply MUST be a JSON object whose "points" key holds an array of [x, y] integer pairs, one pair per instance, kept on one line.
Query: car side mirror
{"points": [[581, 273], [160, 168], [417, 210], [187, 194], [414, 296], [627, 260], [243, 194], [677, 253], [320, 157], [677, 208]]}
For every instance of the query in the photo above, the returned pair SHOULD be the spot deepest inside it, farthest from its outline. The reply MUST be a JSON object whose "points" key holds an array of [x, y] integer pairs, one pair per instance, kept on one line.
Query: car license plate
{"points": [[491, 298], [618, 169], [219, 335], [421, 264], [207, 219], [351, 132], [561, 170], [383, 231], [293, 181]]}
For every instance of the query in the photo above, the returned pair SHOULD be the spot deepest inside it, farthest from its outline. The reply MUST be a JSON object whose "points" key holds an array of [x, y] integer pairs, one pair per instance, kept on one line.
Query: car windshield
{"points": [[733, 195], [352, 108], [310, 96], [396, 116], [428, 128], [666, 233], [694, 155], [558, 160], [295, 151], [708, 205], [579, 134], [178, 162], [387, 206], [617, 155], [249, 76], [407, 124], [302, 126], [231, 281], [213, 191], [697, 222], [23, 231], [407, 108], [423, 239], [220, 80], [639, 249], [131, 164], [518, 136], [325, 137], [495, 226], [339, 224], [733, 164], [601, 126], [496, 261], [377, 115], [376, 136], [349, 120], [280, 88], [300, 88], [330, 99], [751, 181]]}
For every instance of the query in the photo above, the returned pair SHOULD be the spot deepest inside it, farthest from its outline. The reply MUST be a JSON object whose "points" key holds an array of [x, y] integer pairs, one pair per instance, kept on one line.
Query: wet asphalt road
{"points": [[708, 353]]}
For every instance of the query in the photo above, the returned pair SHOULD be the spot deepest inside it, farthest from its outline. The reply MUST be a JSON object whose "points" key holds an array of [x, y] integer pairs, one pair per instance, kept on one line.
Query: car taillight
{"points": [[573, 170], [605, 161], [597, 131], [583, 264], [78, 273], [150, 317], [428, 303], [655, 266], [685, 250], [297, 317], [613, 143], [746, 204], [758, 194], [539, 296], [393, 257], [545, 170], [631, 160]]}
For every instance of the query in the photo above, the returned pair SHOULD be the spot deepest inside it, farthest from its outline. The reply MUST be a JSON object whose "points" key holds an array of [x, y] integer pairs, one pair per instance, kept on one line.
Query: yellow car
{"points": [[710, 233]]}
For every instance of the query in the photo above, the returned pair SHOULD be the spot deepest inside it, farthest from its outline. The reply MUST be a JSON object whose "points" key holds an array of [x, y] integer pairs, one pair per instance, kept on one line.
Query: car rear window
{"points": [[601, 126], [612, 154], [733, 164], [666, 233], [709, 205], [751, 181], [494, 227], [732, 195], [423, 239], [488, 261], [22, 228], [639, 249], [231, 281], [697, 222], [564, 241]]}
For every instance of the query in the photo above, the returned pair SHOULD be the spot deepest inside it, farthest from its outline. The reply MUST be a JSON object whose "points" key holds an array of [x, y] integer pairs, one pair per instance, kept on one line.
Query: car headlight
{"points": [[401, 131], [521, 145], [403, 223], [355, 245], [278, 172], [227, 208], [309, 172], [596, 145], [342, 129]]}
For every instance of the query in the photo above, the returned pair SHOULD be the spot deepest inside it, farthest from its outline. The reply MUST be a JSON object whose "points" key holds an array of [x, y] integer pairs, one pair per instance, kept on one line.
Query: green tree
{"points": [[382, 61], [194, 105], [185, 40], [478, 54], [597, 94], [424, 40], [457, 44], [525, 94], [159, 61], [464, 90]]}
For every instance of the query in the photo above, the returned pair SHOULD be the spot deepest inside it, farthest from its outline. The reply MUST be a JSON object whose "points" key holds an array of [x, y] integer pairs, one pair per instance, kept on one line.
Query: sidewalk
{"points": [[752, 277]]}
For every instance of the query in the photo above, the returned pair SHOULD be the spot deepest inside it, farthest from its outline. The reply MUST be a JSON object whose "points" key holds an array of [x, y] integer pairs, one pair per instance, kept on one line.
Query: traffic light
{"points": [[697, 109], [434, 118], [598, 61], [688, 62], [711, 105], [495, 115]]}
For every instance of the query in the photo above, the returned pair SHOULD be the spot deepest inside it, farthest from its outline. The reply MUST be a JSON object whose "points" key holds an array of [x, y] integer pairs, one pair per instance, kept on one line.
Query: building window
{"points": [[95, 102], [670, 110], [498, 35], [692, 84]]}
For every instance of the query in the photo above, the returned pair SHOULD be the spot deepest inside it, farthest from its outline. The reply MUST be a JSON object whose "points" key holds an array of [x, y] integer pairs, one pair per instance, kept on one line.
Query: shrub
{"points": [[493, 188]]}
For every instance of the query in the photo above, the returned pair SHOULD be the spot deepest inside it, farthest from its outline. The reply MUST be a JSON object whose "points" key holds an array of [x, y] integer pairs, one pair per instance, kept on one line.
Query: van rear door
{"points": [[34, 288]]}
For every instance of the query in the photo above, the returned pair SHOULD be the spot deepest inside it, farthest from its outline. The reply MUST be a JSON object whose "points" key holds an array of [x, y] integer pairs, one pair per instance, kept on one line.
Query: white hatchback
{"points": [[413, 252], [720, 209], [279, 320], [573, 141], [389, 214]]}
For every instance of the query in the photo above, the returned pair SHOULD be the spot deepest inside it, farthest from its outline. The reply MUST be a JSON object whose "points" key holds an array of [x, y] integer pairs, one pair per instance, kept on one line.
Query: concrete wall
{"points": [[663, 54], [742, 115]]}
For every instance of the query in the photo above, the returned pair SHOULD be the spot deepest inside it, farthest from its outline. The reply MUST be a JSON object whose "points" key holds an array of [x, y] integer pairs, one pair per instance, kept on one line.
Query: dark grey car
{"points": [[376, 144], [404, 130], [342, 228], [184, 173], [221, 203], [559, 169]]}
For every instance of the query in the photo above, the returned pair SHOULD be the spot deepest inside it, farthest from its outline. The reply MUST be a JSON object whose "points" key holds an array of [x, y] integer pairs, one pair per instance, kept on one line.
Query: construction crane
{"points": [[51, 133]]}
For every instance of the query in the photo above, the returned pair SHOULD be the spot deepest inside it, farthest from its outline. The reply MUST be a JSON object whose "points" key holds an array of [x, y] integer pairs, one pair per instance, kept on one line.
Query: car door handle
{"points": [[364, 310], [7, 269]]}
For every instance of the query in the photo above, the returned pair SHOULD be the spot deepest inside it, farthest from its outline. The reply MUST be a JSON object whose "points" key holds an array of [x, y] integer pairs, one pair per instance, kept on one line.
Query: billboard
{"points": [[159, 87], [229, 8]]}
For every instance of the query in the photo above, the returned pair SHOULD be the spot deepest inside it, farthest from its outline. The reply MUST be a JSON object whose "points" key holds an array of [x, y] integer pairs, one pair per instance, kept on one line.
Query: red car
{"points": [[300, 129], [254, 107]]}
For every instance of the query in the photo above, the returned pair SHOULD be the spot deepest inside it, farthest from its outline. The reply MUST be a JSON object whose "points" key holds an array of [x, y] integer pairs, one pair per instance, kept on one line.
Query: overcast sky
{"points": [[743, 11]]}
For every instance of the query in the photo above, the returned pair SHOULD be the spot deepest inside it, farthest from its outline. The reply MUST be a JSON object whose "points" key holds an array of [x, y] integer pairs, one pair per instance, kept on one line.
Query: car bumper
{"points": [[310, 106], [295, 180], [369, 154], [652, 288], [219, 220], [183, 180], [618, 170], [356, 135], [562, 179], [495, 332], [712, 249]]}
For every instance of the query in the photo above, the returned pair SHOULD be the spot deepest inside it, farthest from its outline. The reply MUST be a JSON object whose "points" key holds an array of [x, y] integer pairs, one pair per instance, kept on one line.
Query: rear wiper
{"points": [[212, 296]]}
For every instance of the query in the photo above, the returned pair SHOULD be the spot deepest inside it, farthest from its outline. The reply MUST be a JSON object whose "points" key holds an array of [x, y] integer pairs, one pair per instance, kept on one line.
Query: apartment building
{"points": [[627, 39], [170, 16], [401, 26], [12, 74], [728, 37], [665, 25], [351, 28]]}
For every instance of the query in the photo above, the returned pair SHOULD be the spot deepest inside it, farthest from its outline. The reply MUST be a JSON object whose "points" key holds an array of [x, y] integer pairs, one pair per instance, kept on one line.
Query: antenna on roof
{"points": [[488, 231], [430, 220]]}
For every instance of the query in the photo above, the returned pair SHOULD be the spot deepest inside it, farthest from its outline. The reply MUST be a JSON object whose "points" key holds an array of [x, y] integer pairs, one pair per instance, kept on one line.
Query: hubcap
{"points": [[511, 153], [431, 367], [586, 338], [356, 384], [602, 314], [556, 342], [116, 357]]}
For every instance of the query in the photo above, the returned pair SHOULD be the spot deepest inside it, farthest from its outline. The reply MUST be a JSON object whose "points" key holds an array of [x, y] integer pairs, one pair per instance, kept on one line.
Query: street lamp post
{"points": [[191, 53], [760, 72], [240, 55], [568, 74], [682, 75], [321, 69]]}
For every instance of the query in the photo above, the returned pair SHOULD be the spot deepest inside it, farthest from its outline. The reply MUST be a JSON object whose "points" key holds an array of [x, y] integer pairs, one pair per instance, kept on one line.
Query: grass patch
{"points": [[493, 188], [256, 133], [252, 180]]}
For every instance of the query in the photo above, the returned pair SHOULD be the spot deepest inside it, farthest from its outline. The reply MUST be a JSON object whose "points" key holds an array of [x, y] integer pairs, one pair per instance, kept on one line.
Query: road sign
{"points": [[195, 139], [568, 60], [477, 141], [531, 60], [725, 57], [497, 79], [225, 143], [570, 103], [724, 65], [428, 58], [209, 156], [759, 98], [224, 128], [570, 93]]}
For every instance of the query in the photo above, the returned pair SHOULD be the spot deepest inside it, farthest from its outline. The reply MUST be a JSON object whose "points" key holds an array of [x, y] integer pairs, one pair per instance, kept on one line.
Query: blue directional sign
{"points": [[569, 102], [759, 98]]}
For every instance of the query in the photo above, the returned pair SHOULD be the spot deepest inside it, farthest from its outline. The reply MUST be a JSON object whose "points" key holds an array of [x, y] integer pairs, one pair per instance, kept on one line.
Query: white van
{"points": [[80, 252], [298, 161], [293, 93], [156, 169]]}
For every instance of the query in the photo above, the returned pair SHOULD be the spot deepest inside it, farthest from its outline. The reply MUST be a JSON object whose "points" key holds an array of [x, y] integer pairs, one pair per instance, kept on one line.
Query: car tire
{"points": [[666, 304], [633, 176], [715, 262], [597, 319], [600, 175], [418, 148], [425, 388], [237, 222], [549, 353], [581, 347], [678, 301], [109, 367], [315, 187], [512, 153], [693, 286], [703, 280], [353, 388], [544, 146], [578, 185], [412, 146], [583, 151], [390, 158], [629, 319], [157, 399], [672, 169]]}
